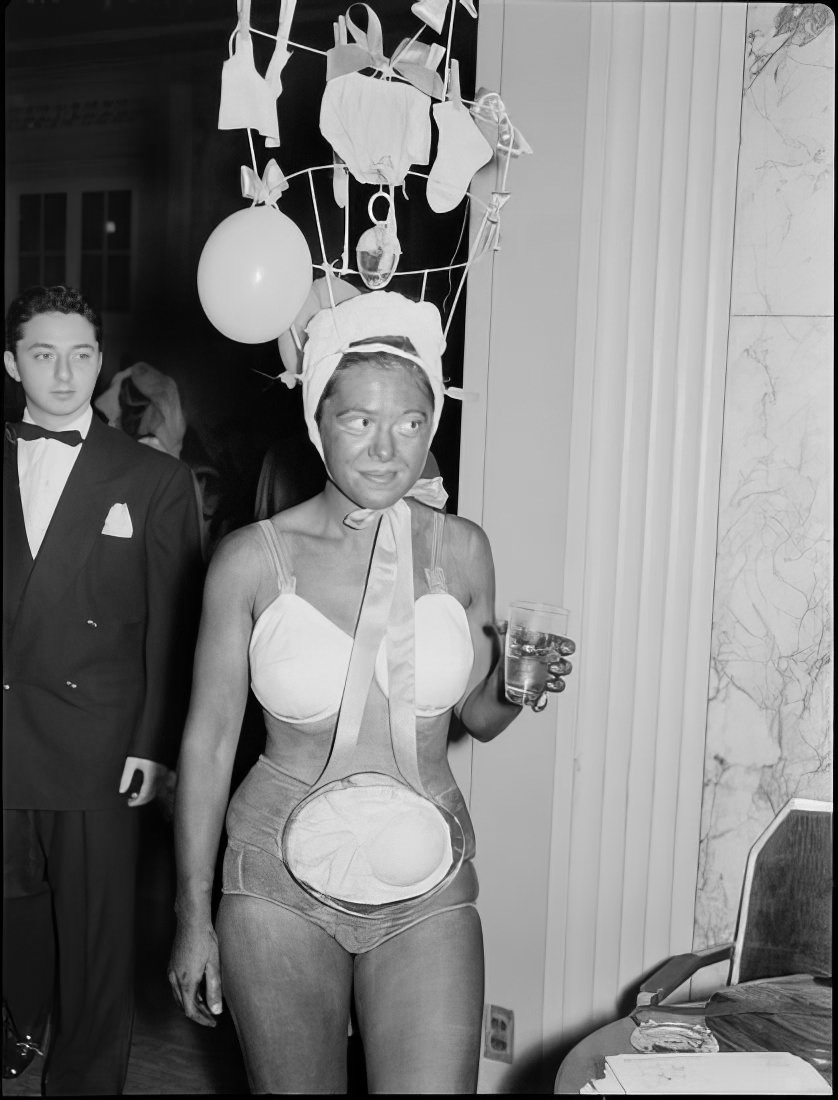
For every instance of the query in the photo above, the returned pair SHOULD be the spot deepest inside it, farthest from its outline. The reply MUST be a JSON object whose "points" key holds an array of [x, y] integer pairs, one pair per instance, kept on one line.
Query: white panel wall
{"points": [[660, 178], [597, 343], [521, 308], [514, 466]]}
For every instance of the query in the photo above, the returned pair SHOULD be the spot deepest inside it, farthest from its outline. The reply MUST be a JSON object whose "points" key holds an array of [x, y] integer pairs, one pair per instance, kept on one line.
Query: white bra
{"points": [[299, 657]]}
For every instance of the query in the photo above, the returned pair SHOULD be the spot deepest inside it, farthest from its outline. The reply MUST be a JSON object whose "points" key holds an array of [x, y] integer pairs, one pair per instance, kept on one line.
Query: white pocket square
{"points": [[118, 522]]}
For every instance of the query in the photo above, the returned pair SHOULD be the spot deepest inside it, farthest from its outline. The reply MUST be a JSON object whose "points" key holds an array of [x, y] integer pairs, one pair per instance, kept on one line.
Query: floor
{"points": [[170, 1055]]}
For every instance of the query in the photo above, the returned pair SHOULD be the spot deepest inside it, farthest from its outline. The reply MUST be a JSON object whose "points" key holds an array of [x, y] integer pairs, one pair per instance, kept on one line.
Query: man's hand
{"points": [[154, 778]]}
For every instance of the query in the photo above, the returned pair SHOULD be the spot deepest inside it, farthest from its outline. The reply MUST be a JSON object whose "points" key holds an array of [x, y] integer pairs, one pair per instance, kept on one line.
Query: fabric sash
{"points": [[387, 609]]}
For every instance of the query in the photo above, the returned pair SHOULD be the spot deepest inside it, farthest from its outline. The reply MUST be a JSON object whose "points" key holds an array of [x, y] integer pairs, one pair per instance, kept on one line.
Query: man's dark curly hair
{"points": [[47, 299]]}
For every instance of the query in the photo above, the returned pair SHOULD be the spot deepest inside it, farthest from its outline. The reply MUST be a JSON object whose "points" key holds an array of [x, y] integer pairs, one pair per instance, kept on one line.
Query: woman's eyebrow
{"points": [[371, 412]]}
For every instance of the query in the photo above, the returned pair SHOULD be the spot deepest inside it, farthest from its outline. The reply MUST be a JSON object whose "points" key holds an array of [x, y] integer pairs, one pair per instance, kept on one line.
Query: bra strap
{"points": [[244, 18], [286, 582], [435, 576], [242, 26]]}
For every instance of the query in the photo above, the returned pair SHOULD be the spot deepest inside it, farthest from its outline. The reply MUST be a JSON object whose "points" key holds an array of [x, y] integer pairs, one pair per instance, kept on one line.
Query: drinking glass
{"points": [[533, 638]]}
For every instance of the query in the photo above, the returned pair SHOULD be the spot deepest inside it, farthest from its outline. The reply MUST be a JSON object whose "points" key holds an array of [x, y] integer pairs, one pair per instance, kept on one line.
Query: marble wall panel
{"points": [[769, 715], [783, 258], [768, 729]]}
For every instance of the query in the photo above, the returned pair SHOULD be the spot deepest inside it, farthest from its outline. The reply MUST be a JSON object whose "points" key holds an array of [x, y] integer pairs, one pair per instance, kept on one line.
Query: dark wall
{"points": [[107, 90]]}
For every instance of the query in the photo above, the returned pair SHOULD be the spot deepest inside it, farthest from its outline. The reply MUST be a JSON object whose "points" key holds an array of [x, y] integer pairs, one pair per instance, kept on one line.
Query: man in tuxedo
{"points": [[101, 573]]}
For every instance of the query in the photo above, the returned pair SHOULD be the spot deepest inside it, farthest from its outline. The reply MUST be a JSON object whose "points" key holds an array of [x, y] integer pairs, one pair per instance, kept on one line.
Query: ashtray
{"points": [[651, 1037]]}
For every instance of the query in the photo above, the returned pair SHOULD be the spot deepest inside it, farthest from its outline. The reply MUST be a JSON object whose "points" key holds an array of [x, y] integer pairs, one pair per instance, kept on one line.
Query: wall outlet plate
{"points": [[498, 1033]]}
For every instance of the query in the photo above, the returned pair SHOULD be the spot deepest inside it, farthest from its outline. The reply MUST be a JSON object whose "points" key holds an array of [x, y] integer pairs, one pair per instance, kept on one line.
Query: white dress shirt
{"points": [[43, 466]]}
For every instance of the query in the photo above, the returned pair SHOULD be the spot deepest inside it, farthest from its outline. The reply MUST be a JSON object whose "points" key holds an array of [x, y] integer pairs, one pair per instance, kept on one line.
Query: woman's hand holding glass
{"points": [[557, 671], [554, 673]]}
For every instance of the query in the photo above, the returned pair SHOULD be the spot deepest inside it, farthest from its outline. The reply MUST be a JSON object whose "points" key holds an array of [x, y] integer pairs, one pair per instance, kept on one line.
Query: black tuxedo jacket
{"points": [[98, 630]]}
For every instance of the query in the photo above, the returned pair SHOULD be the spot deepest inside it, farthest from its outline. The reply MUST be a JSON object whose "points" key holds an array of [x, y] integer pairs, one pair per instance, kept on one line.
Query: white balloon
{"points": [[254, 274]]}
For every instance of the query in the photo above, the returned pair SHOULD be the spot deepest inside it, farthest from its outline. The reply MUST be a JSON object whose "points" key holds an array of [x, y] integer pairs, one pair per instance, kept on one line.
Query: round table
{"points": [[587, 1059], [792, 1013]]}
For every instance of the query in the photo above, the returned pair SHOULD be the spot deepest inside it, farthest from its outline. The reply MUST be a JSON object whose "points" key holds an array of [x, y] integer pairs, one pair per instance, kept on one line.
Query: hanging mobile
{"points": [[378, 249]]}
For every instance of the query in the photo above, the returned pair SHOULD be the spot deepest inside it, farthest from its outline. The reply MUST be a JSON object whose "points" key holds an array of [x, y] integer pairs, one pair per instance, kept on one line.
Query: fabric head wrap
{"points": [[332, 332]]}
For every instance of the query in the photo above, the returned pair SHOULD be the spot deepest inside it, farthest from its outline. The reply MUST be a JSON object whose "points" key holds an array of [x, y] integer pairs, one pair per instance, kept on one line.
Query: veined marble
{"points": [[770, 707], [768, 727], [783, 257]]}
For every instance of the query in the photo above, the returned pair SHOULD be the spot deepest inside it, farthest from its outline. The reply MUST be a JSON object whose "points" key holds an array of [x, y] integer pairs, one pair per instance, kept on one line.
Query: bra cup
{"points": [[286, 679], [299, 658], [444, 654], [367, 839]]}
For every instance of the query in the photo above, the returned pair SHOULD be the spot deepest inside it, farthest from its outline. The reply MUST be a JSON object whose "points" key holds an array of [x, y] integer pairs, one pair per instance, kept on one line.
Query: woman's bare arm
{"points": [[219, 695], [484, 710]]}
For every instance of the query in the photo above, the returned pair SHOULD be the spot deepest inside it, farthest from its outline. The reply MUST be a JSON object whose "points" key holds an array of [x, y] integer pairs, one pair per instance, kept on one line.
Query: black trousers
{"points": [[68, 940]]}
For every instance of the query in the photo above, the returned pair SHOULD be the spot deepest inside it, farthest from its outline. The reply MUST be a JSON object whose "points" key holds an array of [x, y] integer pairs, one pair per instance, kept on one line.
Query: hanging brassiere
{"points": [[248, 100]]}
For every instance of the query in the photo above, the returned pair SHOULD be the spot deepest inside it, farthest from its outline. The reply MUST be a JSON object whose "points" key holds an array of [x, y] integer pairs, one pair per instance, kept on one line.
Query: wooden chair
{"points": [[778, 994], [785, 913]]}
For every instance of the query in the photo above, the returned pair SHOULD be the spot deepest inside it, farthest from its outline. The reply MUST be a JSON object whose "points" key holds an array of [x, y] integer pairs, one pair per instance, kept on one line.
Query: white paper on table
{"points": [[608, 1085], [760, 1073]]}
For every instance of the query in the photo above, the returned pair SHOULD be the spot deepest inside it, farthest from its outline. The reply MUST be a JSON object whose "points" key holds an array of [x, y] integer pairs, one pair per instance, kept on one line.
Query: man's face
{"points": [[57, 360]]}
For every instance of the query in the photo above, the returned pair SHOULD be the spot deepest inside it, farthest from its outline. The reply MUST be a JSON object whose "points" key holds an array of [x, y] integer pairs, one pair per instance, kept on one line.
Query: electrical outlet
{"points": [[498, 1033]]}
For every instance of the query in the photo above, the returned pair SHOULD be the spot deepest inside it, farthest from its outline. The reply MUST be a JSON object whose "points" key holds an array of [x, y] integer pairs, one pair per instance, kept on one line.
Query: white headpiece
{"points": [[381, 313]]}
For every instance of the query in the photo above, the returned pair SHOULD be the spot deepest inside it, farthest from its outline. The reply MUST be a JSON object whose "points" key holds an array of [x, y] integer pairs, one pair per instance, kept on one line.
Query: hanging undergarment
{"points": [[461, 150], [248, 100], [379, 125], [279, 58]]}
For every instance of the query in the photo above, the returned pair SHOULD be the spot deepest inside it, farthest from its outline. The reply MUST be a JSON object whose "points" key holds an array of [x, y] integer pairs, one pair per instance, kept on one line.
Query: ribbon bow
{"points": [[427, 490], [268, 188], [430, 491], [490, 114], [368, 53], [489, 236], [290, 378]]}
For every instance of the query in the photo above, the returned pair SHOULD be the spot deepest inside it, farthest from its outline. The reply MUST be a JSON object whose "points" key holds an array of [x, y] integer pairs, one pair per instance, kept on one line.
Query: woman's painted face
{"points": [[376, 430]]}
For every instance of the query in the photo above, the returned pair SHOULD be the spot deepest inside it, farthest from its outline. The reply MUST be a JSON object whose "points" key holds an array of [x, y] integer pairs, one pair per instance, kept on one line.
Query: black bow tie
{"points": [[29, 432]]}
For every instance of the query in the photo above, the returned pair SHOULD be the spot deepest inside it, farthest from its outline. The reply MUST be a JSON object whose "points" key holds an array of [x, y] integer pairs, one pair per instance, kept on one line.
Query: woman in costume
{"points": [[362, 617]]}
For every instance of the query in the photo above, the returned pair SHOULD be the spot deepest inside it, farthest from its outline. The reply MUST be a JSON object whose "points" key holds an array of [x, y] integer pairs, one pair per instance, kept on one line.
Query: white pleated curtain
{"points": [[596, 346], [661, 145]]}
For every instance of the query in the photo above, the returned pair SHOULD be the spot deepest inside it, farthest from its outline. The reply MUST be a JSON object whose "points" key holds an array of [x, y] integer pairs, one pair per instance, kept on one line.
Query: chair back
{"points": [[785, 916]]}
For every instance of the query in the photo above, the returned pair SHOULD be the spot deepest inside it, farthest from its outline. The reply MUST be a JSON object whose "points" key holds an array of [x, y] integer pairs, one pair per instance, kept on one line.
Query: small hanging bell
{"points": [[378, 248]]}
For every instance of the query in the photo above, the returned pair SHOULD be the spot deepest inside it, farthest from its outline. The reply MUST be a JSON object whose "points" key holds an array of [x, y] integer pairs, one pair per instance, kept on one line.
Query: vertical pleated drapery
{"points": [[659, 189]]}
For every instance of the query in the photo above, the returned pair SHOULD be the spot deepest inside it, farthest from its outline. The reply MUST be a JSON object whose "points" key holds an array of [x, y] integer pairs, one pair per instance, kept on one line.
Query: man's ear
{"points": [[11, 366]]}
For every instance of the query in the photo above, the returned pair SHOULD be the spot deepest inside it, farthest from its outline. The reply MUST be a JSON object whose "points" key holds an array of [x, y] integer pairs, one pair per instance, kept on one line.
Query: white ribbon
{"points": [[268, 188]]}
